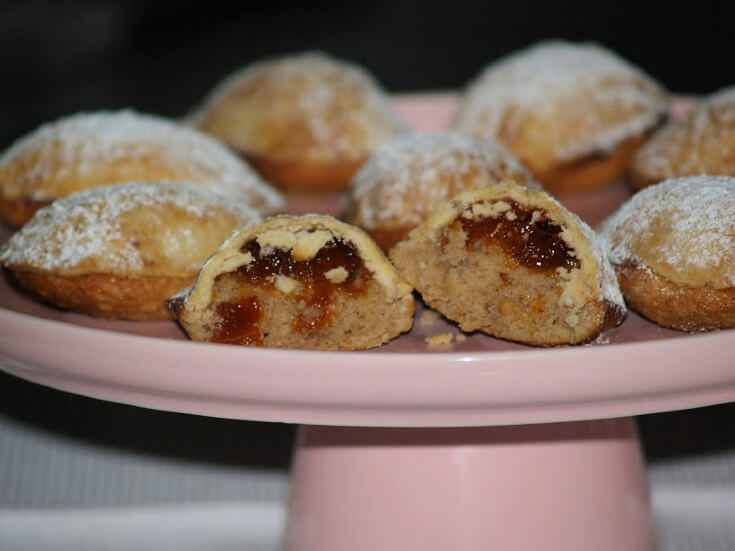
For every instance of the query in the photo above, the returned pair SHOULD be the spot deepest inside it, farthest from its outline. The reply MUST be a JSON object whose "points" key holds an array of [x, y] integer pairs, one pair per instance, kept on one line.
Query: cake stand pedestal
{"points": [[556, 486]]}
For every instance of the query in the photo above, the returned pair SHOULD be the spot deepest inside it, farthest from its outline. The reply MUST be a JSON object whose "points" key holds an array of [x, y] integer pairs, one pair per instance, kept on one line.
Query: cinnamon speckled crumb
{"points": [[428, 317], [440, 339]]}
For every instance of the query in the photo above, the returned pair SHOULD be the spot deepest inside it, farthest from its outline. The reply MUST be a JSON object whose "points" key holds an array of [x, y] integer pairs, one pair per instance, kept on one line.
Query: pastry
{"points": [[515, 264], [305, 121], [673, 248], [91, 149], [573, 113], [120, 251], [702, 142], [297, 282], [407, 177]]}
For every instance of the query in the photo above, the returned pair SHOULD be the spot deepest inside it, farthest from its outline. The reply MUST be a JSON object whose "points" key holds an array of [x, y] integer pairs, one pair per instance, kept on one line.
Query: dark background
{"points": [[60, 57], [57, 58]]}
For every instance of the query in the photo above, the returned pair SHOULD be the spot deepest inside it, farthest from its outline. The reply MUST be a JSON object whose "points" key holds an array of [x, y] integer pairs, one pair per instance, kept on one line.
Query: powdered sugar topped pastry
{"points": [[702, 142], [120, 251], [513, 263], [407, 177], [305, 120], [297, 282], [92, 149], [574, 113], [673, 247]]}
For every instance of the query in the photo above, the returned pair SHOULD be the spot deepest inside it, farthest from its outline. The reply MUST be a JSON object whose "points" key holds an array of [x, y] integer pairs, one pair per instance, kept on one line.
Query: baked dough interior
{"points": [[514, 264], [297, 282]]}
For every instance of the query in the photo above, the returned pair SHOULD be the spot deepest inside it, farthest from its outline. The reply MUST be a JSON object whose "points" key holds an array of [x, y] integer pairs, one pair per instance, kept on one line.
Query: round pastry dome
{"points": [[702, 142], [673, 248], [574, 113], [120, 251], [407, 177], [305, 120], [92, 149]]}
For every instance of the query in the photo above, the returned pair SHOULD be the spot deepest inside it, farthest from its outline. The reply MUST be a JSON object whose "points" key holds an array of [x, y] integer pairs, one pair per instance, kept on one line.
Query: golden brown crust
{"points": [[72, 177], [558, 106], [638, 180], [589, 173], [299, 115], [16, 212], [89, 150], [387, 239], [407, 177], [305, 175], [681, 229], [65, 176], [702, 142], [105, 295], [120, 251], [673, 305], [672, 248]]}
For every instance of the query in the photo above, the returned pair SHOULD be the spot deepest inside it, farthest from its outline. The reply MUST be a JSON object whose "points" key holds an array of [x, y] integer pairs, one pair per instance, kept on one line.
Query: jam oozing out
{"points": [[534, 242], [315, 291], [239, 322]]}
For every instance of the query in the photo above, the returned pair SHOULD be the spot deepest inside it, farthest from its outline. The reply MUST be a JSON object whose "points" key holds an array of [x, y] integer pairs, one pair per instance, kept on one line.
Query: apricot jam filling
{"points": [[239, 322], [336, 269], [527, 236]]}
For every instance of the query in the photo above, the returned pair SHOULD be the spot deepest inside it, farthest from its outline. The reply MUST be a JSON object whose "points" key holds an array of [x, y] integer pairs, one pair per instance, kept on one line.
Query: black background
{"points": [[57, 58], [60, 57]]}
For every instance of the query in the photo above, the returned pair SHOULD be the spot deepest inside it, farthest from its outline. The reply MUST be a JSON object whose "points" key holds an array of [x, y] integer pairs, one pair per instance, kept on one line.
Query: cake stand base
{"points": [[557, 486]]}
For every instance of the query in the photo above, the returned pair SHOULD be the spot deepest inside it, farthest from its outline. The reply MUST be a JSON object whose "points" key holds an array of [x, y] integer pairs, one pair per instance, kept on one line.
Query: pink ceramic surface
{"points": [[635, 368], [554, 487]]}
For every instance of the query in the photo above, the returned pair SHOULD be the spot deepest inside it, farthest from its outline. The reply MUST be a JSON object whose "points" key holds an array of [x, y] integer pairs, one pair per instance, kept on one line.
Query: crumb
{"points": [[601, 339], [572, 320], [461, 337], [285, 284], [440, 339], [428, 317], [337, 275]]}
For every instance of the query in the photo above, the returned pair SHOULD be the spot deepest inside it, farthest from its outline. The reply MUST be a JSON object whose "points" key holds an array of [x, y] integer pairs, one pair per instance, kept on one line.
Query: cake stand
{"points": [[483, 444]]}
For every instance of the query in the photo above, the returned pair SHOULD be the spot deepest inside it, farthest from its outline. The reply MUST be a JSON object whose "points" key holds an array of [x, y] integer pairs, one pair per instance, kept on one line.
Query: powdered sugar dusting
{"points": [[556, 80], [86, 224], [342, 106], [87, 139], [407, 176], [685, 226], [608, 281], [700, 143], [606, 277]]}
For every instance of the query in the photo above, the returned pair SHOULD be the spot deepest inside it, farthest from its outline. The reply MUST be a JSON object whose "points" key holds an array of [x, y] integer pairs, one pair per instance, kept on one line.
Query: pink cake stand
{"points": [[482, 445]]}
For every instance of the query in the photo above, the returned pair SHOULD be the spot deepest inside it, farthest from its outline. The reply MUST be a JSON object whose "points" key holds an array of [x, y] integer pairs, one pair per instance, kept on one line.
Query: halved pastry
{"points": [[673, 248], [305, 121], [93, 149], [513, 263], [297, 282], [407, 177], [702, 142], [573, 113], [121, 251]]}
